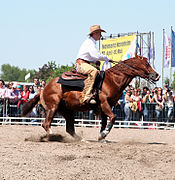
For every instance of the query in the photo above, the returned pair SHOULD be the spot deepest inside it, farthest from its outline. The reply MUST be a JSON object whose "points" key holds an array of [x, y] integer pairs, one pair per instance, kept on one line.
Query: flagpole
{"points": [[171, 59], [153, 50], [163, 55]]}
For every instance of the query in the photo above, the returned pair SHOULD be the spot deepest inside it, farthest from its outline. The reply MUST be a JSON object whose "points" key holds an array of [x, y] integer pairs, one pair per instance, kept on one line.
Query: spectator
{"points": [[3, 91], [34, 110], [158, 97], [119, 113], [130, 87], [24, 97], [137, 98], [147, 100], [145, 89], [14, 97], [43, 84], [9, 90], [91, 115], [169, 103], [36, 85], [24, 94], [19, 88], [9, 87], [31, 92], [132, 91], [154, 93], [117, 110], [39, 107], [127, 110]]}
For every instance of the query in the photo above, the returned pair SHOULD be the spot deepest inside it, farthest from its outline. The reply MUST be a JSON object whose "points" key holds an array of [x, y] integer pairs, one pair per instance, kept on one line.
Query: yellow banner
{"points": [[117, 49]]}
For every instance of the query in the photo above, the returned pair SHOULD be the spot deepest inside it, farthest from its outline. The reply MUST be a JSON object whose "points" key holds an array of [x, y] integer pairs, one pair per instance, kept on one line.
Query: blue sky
{"points": [[37, 31]]}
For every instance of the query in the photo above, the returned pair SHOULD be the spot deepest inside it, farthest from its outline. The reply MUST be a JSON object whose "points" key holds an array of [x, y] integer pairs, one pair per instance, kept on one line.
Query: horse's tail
{"points": [[27, 108]]}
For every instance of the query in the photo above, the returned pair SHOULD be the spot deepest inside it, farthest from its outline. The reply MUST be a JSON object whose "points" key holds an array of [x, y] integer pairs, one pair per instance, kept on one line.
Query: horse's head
{"points": [[143, 69]]}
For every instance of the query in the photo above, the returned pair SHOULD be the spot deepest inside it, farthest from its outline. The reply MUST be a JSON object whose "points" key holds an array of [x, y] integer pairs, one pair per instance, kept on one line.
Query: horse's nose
{"points": [[157, 77]]}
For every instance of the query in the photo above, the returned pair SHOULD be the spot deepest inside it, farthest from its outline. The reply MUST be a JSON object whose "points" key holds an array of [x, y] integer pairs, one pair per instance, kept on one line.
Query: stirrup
{"points": [[92, 101]]}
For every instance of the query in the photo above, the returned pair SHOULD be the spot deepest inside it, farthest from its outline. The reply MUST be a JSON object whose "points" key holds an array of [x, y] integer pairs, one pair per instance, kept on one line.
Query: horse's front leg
{"points": [[108, 112], [104, 121]]}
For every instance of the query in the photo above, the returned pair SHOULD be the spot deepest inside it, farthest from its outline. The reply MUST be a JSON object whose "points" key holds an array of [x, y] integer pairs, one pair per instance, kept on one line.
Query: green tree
{"points": [[59, 70], [167, 81], [173, 82], [46, 71], [12, 73]]}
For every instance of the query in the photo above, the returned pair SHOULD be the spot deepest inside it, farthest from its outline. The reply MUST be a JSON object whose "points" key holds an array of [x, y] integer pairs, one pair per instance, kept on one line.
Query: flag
{"points": [[167, 51], [152, 52], [152, 55], [137, 51], [173, 49], [130, 53]]}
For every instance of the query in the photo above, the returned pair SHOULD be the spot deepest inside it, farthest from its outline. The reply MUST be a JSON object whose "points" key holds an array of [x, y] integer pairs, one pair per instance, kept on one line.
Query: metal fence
{"points": [[11, 114], [87, 123]]}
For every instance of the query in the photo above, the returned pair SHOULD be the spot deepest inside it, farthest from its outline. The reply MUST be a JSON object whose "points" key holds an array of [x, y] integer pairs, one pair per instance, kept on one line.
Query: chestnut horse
{"points": [[58, 98]]}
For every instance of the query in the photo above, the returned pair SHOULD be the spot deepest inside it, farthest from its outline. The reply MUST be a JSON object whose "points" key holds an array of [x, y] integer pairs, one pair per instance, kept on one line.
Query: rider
{"points": [[87, 54]]}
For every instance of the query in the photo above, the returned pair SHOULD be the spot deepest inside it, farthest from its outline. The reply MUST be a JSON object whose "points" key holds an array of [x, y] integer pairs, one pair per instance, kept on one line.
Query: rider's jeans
{"points": [[91, 71]]}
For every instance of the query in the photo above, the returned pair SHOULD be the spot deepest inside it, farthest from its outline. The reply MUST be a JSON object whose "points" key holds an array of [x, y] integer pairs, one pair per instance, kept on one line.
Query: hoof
{"points": [[49, 132], [101, 136], [83, 140], [77, 138], [103, 141]]}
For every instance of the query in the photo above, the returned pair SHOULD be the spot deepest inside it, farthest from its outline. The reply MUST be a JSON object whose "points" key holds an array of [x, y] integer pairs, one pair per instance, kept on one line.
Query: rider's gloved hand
{"points": [[111, 61], [97, 63]]}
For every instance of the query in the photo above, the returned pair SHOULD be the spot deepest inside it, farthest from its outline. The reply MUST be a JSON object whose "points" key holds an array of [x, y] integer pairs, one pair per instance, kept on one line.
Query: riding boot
{"points": [[89, 100]]}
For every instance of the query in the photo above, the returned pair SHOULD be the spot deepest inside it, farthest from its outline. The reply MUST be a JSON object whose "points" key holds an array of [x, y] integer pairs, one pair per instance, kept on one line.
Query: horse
{"points": [[58, 98]]}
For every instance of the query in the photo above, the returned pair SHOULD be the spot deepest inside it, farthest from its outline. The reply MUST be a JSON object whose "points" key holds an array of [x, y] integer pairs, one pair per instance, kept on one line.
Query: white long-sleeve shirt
{"points": [[3, 91], [89, 52]]}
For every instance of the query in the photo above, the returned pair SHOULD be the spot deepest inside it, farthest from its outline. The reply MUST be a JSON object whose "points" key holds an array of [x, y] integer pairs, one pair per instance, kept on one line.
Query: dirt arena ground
{"points": [[127, 154]]}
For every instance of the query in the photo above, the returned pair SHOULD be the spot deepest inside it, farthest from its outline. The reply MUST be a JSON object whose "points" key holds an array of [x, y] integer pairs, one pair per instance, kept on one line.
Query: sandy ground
{"points": [[127, 154]]}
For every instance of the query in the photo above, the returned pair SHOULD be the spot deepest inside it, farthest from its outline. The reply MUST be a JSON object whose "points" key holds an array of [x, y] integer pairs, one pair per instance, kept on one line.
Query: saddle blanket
{"points": [[73, 83]]}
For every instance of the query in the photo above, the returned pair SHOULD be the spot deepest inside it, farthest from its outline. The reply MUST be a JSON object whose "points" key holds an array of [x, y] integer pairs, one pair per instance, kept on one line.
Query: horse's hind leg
{"points": [[69, 117]]}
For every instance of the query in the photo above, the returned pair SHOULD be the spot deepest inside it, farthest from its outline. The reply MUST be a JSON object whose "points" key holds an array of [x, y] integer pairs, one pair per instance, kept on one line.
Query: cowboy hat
{"points": [[95, 28]]}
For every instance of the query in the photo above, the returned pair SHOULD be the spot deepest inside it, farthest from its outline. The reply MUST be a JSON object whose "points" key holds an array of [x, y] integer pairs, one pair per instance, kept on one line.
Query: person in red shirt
{"points": [[25, 94], [24, 97]]}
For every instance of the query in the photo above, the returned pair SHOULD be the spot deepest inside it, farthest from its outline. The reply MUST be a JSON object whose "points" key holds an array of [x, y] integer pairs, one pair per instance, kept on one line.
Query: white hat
{"points": [[14, 86]]}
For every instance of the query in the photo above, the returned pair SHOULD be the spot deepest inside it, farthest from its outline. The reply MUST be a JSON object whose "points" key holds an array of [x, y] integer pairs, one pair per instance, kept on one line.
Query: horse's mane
{"points": [[120, 66]]}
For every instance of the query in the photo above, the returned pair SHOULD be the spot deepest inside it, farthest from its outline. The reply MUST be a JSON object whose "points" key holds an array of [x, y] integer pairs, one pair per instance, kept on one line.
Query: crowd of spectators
{"points": [[135, 104], [148, 105], [13, 96]]}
